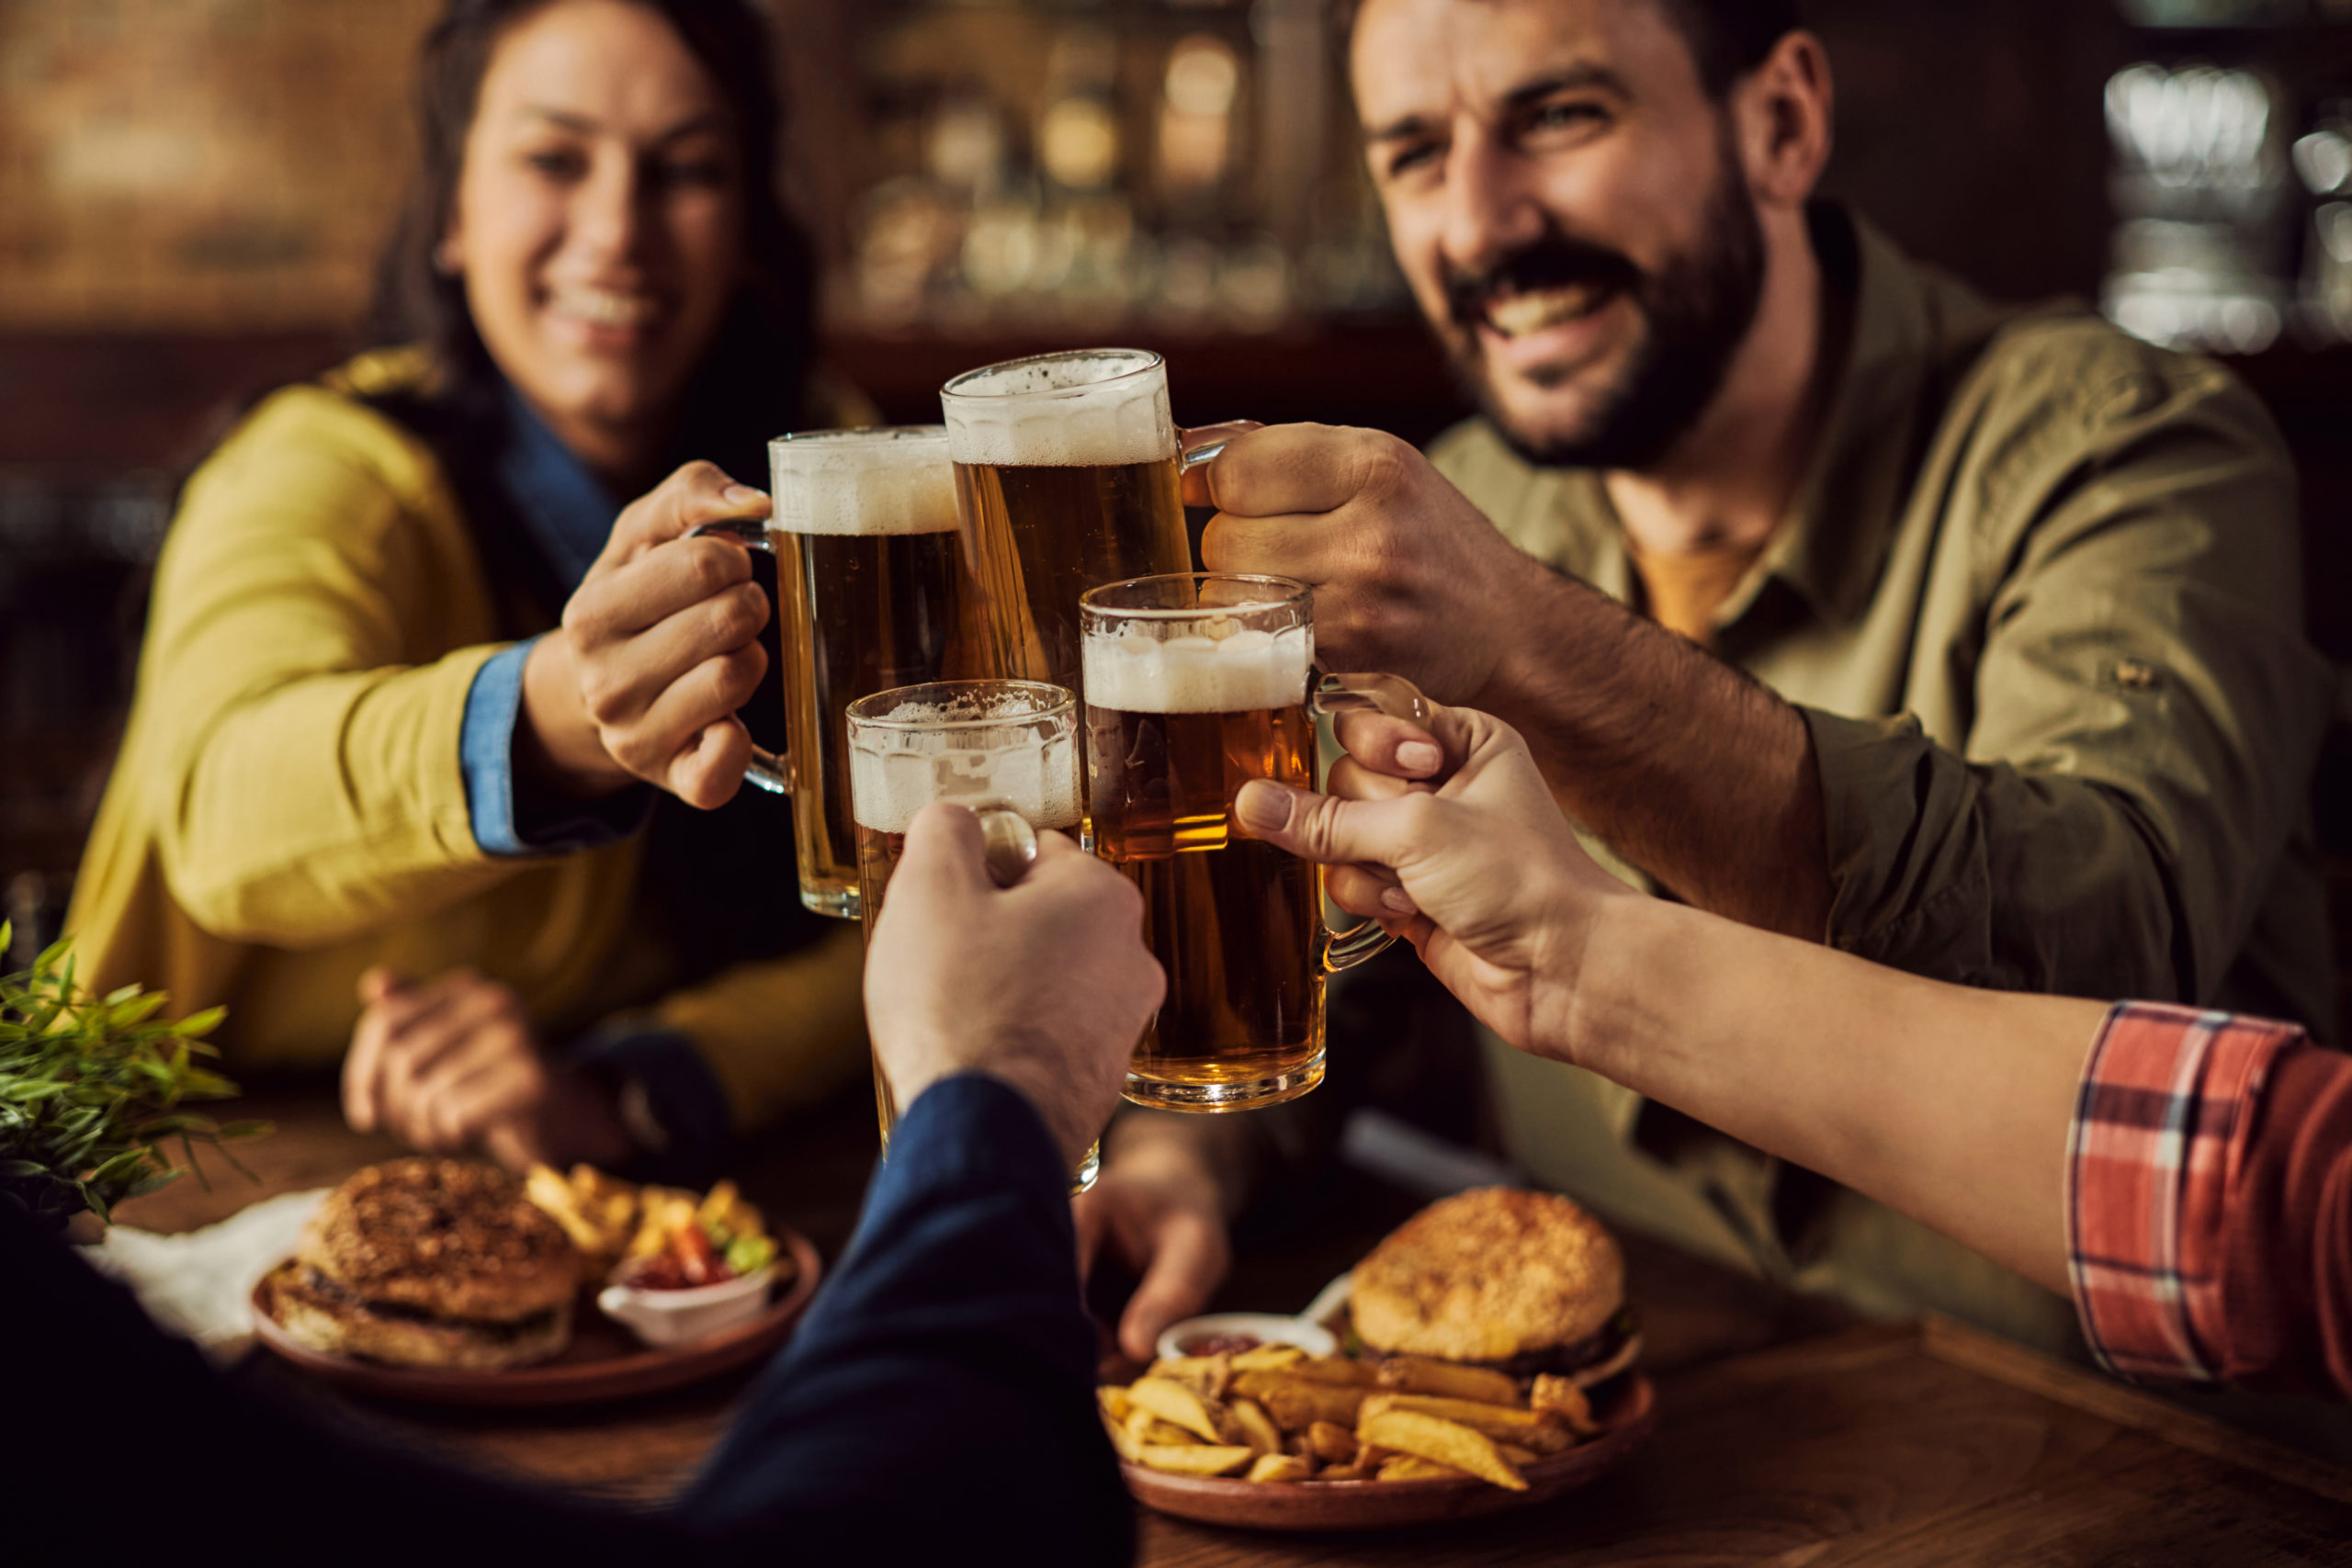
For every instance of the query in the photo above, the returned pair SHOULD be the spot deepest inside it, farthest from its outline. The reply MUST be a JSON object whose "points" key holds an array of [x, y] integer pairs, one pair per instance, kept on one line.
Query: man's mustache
{"points": [[1551, 262]]}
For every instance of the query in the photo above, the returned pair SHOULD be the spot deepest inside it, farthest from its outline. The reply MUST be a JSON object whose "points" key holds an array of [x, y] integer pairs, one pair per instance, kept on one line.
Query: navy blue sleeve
{"points": [[937, 1403], [509, 818]]}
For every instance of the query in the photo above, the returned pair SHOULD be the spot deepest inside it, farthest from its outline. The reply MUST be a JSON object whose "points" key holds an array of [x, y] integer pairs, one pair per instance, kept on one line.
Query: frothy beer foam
{"points": [[963, 767], [864, 482], [1134, 671], [1063, 410]]}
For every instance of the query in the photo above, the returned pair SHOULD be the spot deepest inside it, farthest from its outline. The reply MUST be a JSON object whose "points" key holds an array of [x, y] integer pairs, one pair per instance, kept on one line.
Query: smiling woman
{"points": [[412, 662]]}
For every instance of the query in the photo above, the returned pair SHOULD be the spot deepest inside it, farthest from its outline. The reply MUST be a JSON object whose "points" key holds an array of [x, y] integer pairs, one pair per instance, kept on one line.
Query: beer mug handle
{"points": [[771, 770], [1207, 452], [1399, 698], [1009, 843]]}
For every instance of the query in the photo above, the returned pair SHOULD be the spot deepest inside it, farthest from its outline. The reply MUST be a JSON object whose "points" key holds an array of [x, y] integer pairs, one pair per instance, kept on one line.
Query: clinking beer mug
{"points": [[872, 591], [1195, 684]]}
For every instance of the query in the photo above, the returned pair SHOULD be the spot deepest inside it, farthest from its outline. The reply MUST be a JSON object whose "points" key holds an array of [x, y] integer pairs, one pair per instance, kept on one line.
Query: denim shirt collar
{"points": [[564, 507]]}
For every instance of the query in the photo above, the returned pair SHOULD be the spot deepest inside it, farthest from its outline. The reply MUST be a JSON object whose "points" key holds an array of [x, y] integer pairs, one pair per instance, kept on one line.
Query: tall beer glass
{"points": [[871, 593], [1008, 750], [1195, 684], [1069, 476]]}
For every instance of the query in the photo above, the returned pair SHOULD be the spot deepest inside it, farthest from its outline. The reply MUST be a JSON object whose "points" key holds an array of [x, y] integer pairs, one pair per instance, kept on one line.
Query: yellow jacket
{"points": [[288, 808]]}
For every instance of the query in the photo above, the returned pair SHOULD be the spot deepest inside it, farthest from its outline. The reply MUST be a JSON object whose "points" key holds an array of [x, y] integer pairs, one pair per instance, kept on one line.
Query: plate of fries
{"points": [[1274, 1438]]}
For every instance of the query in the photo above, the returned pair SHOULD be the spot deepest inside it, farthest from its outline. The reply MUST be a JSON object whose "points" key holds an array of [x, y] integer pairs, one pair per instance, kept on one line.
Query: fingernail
{"points": [[1420, 756], [1396, 898], [1262, 805], [743, 495]]}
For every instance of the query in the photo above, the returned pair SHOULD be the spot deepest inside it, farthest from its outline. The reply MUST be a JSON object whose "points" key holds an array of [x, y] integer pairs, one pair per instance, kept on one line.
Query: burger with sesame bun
{"points": [[430, 1263], [1526, 1283]]}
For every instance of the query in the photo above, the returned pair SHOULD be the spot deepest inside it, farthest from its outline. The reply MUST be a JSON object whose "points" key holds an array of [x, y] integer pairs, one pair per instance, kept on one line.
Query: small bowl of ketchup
{"points": [[1230, 1333]]}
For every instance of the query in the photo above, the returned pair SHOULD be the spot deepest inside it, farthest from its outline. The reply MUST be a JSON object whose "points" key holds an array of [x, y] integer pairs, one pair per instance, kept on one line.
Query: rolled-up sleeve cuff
{"points": [[511, 824], [1887, 798], [2167, 1096], [665, 1081]]}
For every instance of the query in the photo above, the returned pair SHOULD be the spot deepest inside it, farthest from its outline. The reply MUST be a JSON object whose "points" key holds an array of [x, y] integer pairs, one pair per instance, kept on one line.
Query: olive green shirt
{"points": [[2037, 599]]}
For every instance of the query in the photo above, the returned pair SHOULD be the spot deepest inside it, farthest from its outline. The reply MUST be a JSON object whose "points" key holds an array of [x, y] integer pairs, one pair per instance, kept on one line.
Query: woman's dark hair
{"points": [[752, 383]]}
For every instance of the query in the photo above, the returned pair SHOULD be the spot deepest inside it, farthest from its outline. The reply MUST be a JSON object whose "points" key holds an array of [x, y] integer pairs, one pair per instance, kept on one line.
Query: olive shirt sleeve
{"points": [[288, 692], [2146, 711]]}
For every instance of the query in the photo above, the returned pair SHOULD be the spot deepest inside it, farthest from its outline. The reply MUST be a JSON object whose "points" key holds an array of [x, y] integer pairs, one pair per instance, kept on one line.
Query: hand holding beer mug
{"points": [[1070, 473], [964, 975], [1196, 684], [1005, 749], [873, 593]]}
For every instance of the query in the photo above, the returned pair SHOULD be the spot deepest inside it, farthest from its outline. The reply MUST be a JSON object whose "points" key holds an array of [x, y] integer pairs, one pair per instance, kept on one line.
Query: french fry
{"points": [[1327, 1441], [1296, 1402], [1412, 1467], [1179, 1406], [1114, 1403], [554, 1197], [1516, 1456], [1546, 1440], [1446, 1442], [1279, 1467], [1267, 1358], [1418, 1374], [1562, 1398], [1494, 1420], [1251, 1424], [1343, 1472], [1192, 1458], [1336, 1370], [1143, 1426], [1208, 1376]]}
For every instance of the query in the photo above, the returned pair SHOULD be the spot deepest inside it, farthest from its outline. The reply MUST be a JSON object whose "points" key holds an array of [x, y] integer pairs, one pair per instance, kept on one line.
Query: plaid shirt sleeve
{"points": [[2159, 1136]]}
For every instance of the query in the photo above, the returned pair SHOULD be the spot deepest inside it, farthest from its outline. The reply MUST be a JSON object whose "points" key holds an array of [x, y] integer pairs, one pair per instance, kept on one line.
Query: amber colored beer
{"points": [[873, 594], [1235, 922], [1067, 477], [1196, 684]]}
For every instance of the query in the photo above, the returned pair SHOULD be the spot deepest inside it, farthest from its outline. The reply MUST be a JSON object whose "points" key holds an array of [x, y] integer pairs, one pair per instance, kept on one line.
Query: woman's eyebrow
{"points": [[695, 124]]}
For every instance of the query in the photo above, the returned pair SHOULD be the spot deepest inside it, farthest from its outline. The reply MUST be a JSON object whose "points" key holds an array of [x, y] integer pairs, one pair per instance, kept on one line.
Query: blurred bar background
{"points": [[192, 193]]}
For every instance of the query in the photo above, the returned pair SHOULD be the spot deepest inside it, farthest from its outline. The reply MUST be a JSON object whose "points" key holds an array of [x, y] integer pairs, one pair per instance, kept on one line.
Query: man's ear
{"points": [[1784, 109], [449, 255]]}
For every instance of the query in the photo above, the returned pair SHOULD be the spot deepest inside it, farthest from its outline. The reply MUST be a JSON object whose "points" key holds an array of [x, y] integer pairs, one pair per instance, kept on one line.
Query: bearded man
{"points": [[1963, 638]]}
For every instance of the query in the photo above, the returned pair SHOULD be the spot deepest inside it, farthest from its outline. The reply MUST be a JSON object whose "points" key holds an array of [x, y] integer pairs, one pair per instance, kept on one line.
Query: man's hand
{"points": [[1046, 985], [1159, 1208], [451, 1066], [1482, 874], [1408, 576], [657, 650]]}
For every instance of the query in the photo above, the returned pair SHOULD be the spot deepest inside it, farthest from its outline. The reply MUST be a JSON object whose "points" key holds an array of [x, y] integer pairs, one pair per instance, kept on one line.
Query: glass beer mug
{"points": [[1195, 684]]}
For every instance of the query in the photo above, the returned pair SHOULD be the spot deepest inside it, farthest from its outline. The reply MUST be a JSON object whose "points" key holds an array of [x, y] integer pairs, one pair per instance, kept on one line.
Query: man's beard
{"points": [[1695, 312]]}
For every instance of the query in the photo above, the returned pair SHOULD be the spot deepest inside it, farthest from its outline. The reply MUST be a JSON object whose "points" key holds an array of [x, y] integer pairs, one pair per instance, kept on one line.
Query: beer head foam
{"points": [[895, 773], [1086, 410], [896, 480], [1132, 671]]}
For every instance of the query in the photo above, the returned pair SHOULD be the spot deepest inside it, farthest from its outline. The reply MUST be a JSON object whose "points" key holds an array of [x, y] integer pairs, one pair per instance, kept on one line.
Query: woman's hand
{"points": [[449, 1065], [1481, 873], [657, 650]]}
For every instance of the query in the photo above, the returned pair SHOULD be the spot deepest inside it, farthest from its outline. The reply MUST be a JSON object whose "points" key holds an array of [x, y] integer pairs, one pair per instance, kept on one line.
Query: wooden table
{"points": [[1789, 1435]]}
